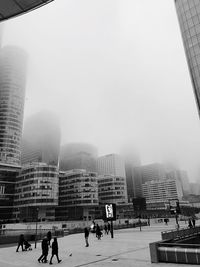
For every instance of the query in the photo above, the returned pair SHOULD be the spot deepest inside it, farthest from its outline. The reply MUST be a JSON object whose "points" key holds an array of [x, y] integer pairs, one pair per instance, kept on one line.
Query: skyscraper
{"points": [[78, 156], [132, 160], [13, 66], [188, 12], [41, 139], [111, 164]]}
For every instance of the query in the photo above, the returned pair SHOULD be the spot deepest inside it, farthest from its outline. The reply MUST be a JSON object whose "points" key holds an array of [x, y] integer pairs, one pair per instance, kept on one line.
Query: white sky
{"points": [[115, 72]]}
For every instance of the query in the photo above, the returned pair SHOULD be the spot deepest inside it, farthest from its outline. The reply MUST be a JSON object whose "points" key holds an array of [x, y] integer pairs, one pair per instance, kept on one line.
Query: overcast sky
{"points": [[115, 72]]}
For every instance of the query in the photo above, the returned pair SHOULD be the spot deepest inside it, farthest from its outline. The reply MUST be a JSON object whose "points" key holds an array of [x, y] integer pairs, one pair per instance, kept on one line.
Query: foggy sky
{"points": [[115, 72]]}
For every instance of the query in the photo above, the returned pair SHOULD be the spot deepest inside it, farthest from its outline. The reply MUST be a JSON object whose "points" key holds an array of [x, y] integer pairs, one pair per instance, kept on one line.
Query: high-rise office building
{"points": [[78, 156], [188, 12], [111, 164], [41, 139], [145, 173], [183, 178], [132, 160], [13, 66]]}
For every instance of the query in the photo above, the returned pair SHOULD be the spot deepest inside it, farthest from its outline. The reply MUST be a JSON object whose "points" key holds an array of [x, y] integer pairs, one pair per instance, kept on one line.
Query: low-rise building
{"points": [[78, 195], [159, 192], [112, 189], [36, 192]]}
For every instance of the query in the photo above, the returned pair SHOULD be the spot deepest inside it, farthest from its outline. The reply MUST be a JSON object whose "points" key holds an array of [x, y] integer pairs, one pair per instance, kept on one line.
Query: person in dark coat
{"points": [[106, 229], [45, 250], [193, 221], [189, 223], [86, 231], [20, 243], [98, 232], [54, 251], [49, 237]]}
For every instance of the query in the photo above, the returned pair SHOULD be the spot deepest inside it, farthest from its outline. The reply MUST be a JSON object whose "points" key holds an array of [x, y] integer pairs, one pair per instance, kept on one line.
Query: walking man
{"points": [[20, 243], [45, 250], [55, 250], [86, 231]]}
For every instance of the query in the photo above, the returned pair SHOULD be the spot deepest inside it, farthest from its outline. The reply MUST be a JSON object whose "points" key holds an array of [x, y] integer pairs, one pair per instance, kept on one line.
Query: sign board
{"points": [[110, 210]]}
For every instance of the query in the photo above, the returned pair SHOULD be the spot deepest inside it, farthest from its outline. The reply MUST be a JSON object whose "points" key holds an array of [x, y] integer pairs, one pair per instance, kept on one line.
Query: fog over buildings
{"points": [[115, 73]]}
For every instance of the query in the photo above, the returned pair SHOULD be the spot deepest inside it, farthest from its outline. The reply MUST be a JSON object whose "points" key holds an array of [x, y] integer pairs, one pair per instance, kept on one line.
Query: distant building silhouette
{"points": [[78, 156], [41, 139], [132, 160], [13, 67]]}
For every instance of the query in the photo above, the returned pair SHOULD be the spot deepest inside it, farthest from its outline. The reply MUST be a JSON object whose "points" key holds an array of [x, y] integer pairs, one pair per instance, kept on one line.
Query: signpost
{"points": [[110, 210]]}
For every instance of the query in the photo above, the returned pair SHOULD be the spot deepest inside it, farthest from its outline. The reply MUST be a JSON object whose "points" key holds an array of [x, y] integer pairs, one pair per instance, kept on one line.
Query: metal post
{"points": [[111, 229], [36, 226]]}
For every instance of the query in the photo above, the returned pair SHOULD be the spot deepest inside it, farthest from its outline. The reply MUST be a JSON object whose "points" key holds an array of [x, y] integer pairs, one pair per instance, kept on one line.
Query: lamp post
{"points": [[36, 225]]}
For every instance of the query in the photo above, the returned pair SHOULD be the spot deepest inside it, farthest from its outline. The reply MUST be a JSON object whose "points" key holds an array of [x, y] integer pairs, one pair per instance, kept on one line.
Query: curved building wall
{"points": [[188, 12], [36, 186], [13, 64]]}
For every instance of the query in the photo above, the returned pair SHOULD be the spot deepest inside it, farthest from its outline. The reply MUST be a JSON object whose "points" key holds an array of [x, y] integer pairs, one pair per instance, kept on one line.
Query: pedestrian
{"points": [[106, 229], [189, 223], [193, 221], [45, 250], [20, 243], [148, 221], [54, 250], [166, 221], [98, 232], [49, 237], [86, 231]]}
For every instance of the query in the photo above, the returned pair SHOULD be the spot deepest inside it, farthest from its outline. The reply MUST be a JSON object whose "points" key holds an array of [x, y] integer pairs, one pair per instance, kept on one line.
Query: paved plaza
{"points": [[129, 247]]}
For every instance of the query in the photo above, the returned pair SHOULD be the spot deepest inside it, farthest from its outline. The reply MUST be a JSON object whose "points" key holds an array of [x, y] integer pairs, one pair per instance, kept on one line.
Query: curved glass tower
{"points": [[12, 90], [188, 12]]}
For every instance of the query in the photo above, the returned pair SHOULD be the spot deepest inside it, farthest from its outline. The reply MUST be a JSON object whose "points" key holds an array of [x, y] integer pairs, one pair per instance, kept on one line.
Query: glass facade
{"points": [[188, 12], [12, 91], [78, 188], [7, 184], [112, 189]]}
